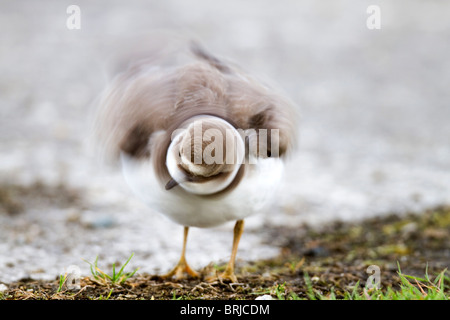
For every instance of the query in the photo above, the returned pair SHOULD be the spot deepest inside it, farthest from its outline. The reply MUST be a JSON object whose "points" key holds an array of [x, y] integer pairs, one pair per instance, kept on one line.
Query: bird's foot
{"points": [[181, 271], [226, 276]]}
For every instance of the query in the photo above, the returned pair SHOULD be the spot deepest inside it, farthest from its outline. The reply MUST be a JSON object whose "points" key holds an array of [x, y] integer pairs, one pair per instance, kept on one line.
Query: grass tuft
{"points": [[417, 289], [115, 278]]}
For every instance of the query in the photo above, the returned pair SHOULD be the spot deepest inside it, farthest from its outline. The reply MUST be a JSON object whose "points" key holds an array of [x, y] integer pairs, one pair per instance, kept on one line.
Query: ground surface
{"points": [[334, 260], [373, 138]]}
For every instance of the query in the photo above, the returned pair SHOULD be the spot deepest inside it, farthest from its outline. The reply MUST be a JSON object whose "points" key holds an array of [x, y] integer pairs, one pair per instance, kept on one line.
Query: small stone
{"points": [[409, 228], [435, 233], [73, 216], [317, 251], [265, 297], [93, 221], [3, 287]]}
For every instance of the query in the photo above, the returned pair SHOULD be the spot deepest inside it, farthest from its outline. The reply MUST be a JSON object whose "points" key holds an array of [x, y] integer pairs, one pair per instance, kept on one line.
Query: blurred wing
{"points": [[157, 93]]}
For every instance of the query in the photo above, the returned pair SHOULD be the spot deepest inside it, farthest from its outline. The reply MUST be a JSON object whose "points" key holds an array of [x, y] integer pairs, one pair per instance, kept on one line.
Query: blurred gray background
{"points": [[374, 131]]}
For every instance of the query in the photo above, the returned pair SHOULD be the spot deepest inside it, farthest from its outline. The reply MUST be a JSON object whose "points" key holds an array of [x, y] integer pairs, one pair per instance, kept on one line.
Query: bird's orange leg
{"points": [[182, 268], [228, 274]]}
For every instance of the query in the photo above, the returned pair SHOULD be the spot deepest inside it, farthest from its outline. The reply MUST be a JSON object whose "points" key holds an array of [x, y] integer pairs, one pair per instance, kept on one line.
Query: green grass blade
{"points": [[124, 265]]}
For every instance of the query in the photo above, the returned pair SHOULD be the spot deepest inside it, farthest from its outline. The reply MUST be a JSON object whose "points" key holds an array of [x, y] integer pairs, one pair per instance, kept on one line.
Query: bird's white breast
{"points": [[254, 192]]}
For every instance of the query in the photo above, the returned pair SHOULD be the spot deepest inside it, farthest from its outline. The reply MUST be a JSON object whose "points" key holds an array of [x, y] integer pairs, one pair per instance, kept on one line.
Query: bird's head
{"points": [[205, 155]]}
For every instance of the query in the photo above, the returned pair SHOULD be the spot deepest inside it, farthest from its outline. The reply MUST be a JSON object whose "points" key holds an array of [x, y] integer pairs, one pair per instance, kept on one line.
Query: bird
{"points": [[197, 139]]}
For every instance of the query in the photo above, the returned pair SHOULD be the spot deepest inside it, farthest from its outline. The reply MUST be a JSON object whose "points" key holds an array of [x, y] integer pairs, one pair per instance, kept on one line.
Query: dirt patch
{"points": [[15, 198], [334, 260]]}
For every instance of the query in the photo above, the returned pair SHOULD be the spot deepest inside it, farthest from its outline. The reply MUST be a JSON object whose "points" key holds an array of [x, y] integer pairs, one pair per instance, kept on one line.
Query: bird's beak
{"points": [[172, 183]]}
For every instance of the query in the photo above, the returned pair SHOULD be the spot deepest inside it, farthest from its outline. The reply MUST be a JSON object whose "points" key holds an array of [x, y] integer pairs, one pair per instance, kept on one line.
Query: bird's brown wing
{"points": [[147, 99]]}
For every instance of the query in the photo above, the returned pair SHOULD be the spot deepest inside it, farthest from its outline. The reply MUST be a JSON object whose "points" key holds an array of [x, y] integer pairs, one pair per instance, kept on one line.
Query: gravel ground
{"points": [[374, 133]]}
